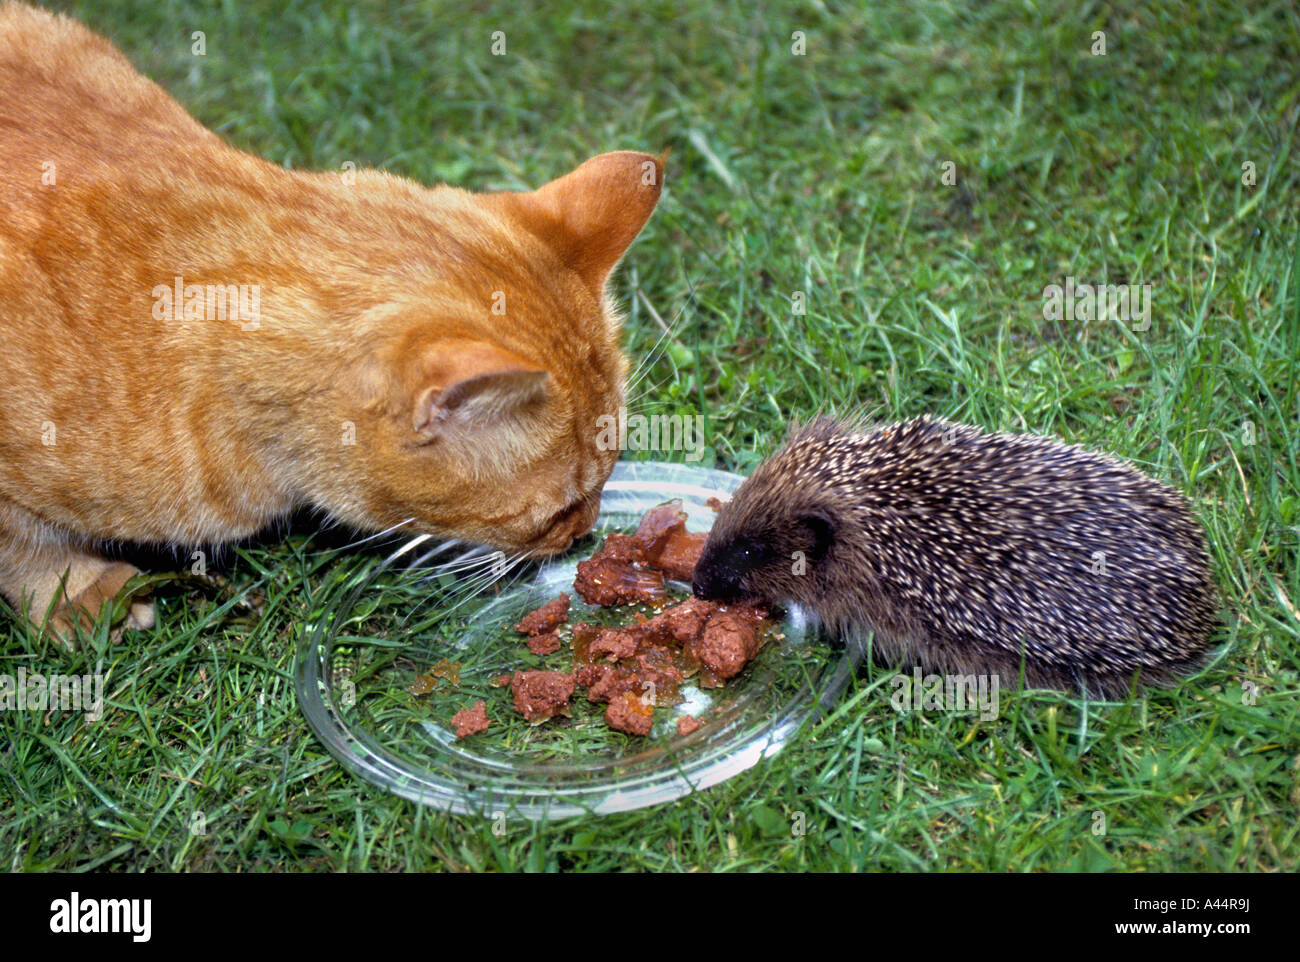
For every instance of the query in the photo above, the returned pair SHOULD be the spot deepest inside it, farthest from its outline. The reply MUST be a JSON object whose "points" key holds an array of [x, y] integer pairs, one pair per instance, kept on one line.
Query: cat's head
{"points": [[482, 398]]}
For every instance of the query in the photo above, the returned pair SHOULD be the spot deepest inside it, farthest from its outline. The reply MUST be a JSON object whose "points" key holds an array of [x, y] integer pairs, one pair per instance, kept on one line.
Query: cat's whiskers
{"points": [[330, 522], [648, 360], [466, 560], [495, 567], [651, 357], [642, 395]]}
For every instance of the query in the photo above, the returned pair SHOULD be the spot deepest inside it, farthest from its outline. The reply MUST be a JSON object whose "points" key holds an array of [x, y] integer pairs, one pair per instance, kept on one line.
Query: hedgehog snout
{"points": [[718, 576], [717, 582]]}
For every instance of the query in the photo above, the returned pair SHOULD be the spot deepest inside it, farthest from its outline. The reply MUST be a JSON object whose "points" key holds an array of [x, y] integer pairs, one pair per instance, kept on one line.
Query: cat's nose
{"points": [[576, 522], [567, 527], [584, 517]]}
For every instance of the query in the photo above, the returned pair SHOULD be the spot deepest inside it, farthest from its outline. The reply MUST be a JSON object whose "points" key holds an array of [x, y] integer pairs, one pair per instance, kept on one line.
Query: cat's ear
{"points": [[473, 384], [591, 215]]}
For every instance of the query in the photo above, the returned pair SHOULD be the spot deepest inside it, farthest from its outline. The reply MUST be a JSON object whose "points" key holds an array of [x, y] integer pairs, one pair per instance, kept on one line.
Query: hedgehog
{"points": [[971, 552]]}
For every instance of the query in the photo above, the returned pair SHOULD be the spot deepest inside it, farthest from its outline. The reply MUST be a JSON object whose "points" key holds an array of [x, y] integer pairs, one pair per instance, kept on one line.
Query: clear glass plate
{"points": [[378, 624]]}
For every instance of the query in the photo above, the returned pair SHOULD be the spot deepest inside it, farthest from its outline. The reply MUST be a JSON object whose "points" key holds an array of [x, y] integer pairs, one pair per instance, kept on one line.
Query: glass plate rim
{"points": [[712, 763]]}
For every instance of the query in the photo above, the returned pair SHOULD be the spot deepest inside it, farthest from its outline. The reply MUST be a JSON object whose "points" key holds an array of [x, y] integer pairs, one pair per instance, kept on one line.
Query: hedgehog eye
{"points": [[751, 553]]}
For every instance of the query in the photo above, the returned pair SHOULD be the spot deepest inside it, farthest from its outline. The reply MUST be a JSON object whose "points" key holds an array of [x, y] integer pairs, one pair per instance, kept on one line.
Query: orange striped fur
{"points": [[409, 355]]}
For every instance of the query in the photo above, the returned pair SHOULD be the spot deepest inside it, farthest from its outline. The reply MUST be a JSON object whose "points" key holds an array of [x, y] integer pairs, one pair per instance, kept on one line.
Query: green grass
{"points": [[818, 174]]}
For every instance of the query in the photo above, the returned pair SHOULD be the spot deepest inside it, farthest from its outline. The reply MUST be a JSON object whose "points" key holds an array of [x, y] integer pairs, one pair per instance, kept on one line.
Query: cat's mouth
{"points": [[566, 527]]}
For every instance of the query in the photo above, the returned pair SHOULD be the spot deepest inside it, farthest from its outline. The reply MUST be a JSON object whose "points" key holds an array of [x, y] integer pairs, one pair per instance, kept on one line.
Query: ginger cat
{"points": [[195, 342]]}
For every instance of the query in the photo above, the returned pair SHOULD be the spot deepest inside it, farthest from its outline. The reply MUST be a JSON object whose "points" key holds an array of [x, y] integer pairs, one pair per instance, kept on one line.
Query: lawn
{"points": [[864, 206]]}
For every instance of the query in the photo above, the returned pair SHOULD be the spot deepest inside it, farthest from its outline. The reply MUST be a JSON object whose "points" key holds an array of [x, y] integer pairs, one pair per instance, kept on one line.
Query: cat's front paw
{"points": [[88, 603], [141, 616]]}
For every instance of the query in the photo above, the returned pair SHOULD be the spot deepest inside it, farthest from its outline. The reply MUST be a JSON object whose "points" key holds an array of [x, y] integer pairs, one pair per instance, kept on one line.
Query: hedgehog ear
{"points": [[821, 531]]}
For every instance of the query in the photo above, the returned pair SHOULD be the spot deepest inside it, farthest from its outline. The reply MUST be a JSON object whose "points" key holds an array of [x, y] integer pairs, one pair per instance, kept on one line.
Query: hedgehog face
{"points": [[773, 561]]}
